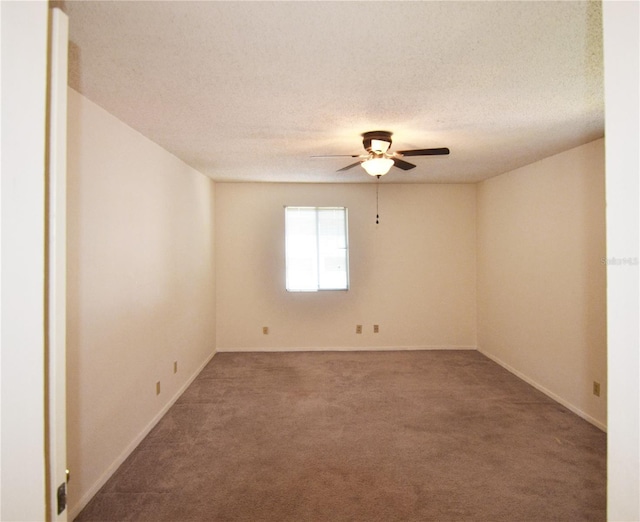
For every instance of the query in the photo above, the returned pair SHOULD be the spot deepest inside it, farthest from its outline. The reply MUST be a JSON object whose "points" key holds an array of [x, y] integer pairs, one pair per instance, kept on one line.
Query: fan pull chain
{"points": [[377, 215]]}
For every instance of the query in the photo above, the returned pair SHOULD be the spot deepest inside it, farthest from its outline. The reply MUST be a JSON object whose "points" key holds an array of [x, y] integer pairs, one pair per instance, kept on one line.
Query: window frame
{"points": [[318, 237]]}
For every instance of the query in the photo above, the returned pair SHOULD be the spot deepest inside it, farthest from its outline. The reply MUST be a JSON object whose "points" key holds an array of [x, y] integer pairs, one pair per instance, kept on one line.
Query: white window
{"points": [[317, 252]]}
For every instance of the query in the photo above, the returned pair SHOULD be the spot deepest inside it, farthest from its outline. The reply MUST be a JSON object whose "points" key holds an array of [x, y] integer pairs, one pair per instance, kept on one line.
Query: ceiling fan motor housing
{"points": [[369, 137]]}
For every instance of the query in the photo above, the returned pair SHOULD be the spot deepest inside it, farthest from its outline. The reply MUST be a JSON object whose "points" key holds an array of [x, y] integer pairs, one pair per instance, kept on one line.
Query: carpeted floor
{"points": [[360, 436]]}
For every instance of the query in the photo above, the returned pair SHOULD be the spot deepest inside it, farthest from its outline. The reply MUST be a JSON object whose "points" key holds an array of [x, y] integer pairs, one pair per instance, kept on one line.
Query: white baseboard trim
{"points": [[546, 391], [75, 510], [341, 348]]}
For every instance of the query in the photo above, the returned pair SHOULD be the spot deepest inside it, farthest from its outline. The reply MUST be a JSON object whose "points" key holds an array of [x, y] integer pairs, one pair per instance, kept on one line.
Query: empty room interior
{"points": [[470, 309]]}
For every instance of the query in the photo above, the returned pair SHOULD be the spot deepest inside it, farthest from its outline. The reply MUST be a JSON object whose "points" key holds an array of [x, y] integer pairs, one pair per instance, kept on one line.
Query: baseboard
{"points": [[546, 391], [342, 348], [75, 510]]}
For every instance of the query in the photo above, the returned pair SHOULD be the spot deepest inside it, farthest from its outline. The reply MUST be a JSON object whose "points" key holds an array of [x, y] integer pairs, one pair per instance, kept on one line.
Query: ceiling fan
{"points": [[378, 160]]}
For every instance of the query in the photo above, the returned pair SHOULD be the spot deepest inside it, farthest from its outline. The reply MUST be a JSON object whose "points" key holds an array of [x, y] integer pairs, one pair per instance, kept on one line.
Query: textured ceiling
{"points": [[249, 91]]}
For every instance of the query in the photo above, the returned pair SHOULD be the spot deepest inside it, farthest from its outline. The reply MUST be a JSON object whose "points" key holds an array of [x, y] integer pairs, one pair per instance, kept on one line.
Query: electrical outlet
{"points": [[358, 328], [158, 388], [175, 366], [596, 388], [265, 330], [376, 328]]}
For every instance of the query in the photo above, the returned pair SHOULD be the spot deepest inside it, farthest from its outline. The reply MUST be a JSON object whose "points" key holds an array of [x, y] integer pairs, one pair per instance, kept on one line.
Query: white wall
{"points": [[141, 290], [24, 82], [413, 274], [542, 279], [622, 102]]}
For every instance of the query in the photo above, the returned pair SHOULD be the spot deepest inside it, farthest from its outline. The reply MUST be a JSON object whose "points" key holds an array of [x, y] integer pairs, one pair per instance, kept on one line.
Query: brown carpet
{"points": [[360, 436]]}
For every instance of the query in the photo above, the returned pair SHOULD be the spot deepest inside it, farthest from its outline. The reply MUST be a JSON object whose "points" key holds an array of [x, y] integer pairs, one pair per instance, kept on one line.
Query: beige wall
{"points": [[541, 276], [413, 274], [141, 291]]}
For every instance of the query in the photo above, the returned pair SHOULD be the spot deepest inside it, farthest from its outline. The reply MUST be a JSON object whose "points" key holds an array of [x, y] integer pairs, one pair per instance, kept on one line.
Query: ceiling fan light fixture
{"points": [[377, 166]]}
